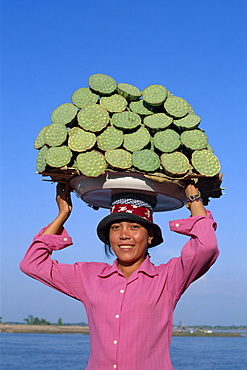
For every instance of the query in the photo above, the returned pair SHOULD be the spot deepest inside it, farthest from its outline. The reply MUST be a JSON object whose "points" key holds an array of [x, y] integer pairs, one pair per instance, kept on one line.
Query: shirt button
{"points": [[117, 316], [177, 225], [115, 342], [114, 366], [121, 291], [65, 239]]}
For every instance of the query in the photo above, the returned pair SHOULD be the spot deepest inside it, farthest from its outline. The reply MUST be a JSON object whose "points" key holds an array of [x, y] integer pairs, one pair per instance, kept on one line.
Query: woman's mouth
{"points": [[125, 247]]}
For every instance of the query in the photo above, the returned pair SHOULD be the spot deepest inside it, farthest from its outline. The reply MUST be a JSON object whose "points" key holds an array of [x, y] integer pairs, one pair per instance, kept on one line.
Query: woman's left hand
{"points": [[196, 207]]}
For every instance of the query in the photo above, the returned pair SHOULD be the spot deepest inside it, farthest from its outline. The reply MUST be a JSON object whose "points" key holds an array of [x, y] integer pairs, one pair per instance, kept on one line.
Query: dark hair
{"points": [[108, 250]]}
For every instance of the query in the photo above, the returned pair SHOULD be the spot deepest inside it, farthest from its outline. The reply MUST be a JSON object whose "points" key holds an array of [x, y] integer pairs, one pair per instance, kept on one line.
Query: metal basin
{"points": [[97, 191]]}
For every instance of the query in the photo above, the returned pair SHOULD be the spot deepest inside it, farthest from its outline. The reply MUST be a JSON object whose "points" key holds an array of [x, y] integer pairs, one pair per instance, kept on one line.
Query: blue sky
{"points": [[197, 49]]}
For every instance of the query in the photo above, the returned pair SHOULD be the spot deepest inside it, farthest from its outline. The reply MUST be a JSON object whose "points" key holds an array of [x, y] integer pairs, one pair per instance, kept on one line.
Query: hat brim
{"points": [[104, 227]]}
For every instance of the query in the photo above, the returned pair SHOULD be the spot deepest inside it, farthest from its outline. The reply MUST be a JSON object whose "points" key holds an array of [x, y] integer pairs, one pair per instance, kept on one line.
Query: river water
{"points": [[70, 351]]}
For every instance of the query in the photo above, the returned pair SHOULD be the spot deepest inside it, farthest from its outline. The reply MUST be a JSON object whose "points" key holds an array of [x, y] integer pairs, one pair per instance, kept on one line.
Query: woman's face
{"points": [[129, 242]]}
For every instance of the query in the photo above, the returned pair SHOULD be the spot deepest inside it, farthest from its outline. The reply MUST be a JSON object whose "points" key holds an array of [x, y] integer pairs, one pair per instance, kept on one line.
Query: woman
{"points": [[129, 304]]}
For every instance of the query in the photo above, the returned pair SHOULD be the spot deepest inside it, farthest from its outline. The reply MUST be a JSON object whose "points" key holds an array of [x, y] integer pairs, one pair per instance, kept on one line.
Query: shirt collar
{"points": [[109, 270], [146, 267]]}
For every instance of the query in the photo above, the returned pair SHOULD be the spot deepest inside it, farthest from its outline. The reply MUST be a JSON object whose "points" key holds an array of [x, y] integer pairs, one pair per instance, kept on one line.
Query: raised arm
{"points": [[37, 262], [200, 251]]}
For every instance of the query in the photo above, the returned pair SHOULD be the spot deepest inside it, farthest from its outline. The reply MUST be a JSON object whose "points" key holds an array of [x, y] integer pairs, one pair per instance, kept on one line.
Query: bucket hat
{"points": [[131, 207]]}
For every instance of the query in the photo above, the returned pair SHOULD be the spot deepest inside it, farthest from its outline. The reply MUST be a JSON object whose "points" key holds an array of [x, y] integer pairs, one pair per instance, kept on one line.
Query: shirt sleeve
{"points": [[37, 263], [197, 255]]}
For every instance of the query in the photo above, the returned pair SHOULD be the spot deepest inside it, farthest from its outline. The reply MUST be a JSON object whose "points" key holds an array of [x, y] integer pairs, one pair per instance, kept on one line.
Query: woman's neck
{"points": [[129, 269]]}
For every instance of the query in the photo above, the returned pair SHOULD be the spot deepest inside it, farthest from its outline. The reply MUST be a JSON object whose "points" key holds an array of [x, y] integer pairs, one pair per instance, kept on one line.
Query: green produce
{"points": [[167, 141], [93, 117], [128, 91], [154, 94], [40, 139], [126, 120], [65, 113], [73, 130], [194, 139], [102, 84], [55, 134], [205, 163], [111, 138], [176, 107], [110, 126], [140, 107], [114, 103], [175, 164], [40, 161], [137, 140], [91, 163], [191, 121], [58, 156], [83, 96], [157, 122], [119, 158], [81, 140], [146, 160]]}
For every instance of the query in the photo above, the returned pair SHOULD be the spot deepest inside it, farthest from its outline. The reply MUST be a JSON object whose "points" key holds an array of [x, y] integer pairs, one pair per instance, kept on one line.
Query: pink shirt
{"points": [[130, 320]]}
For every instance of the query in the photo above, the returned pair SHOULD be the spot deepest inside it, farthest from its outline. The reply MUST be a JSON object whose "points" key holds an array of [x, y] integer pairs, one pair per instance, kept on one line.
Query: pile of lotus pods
{"points": [[110, 126]]}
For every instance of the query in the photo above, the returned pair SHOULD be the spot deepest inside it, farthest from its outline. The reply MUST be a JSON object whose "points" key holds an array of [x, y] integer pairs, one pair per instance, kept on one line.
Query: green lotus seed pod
{"points": [[176, 107], [40, 161], [58, 156], [92, 164], [81, 140], [40, 139], [175, 164], [167, 141], [191, 121], [194, 139], [146, 160], [119, 158], [128, 91], [65, 113], [114, 103], [73, 130], [83, 96], [157, 122], [210, 148], [102, 84], [205, 163], [111, 138], [154, 94], [55, 134], [126, 120], [137, 140], [93, 117], [140, 107]]}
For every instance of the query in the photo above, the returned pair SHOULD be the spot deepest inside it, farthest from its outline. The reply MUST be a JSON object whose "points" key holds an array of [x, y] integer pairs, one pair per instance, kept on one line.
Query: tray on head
{"points": [[97, 191]]}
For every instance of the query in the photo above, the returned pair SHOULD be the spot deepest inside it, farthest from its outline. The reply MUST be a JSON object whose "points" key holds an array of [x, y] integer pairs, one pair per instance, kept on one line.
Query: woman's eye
{"points": [[135, 226], [114, 227]]}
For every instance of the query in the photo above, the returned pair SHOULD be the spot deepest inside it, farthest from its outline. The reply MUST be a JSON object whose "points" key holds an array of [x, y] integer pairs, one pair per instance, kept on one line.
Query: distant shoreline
{"points": [[45, 329], [74, 329]]}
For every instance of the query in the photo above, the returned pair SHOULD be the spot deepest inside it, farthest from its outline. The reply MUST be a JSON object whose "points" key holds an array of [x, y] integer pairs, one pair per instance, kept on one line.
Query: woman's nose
{"points": [[124, 234]]}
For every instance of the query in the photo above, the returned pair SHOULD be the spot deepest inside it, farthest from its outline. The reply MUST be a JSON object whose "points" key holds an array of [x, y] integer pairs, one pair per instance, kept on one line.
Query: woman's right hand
{"points": [[64, 203], [63, 199]]}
